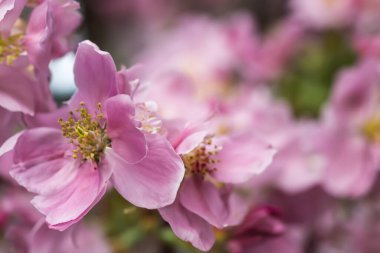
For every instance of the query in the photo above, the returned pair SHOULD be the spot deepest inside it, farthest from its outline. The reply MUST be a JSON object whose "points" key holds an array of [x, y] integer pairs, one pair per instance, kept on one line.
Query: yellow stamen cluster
{"points": [[11, 48], [200, 161], [371, 129], [88, 134]]}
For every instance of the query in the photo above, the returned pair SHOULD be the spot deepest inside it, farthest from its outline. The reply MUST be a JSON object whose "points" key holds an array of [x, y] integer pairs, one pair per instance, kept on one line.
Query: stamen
{"points": [[145, 114], [371, 129], [11, 48], [86, 133], [201, 160]]}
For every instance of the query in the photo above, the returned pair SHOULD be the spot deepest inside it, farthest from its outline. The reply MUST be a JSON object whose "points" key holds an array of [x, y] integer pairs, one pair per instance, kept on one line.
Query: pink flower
{"points": [[300, 162], [46, 35], [49, 27], [206, 198], [69, 166], [262, 57], [352, 139], [325, 13]]}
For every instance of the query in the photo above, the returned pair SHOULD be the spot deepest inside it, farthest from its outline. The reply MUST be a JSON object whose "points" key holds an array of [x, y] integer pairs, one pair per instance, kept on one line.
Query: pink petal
{"points": [[190, 142], [47, 119], [9, 144], [188, 226], [40, 144], [95, 75], [46, 176], [153, 182], [128, 80], [204, 199], [10, 10], [127, 141], [69, 205], [242, 156], [16, 90], [6, 156], [351, 168]]}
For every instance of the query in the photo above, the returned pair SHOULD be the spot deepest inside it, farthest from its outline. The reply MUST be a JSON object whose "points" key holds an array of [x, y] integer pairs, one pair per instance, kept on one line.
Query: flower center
{"points": [[86, 133], [201, 160], [145, 114], [11, 48], [371, 129]]}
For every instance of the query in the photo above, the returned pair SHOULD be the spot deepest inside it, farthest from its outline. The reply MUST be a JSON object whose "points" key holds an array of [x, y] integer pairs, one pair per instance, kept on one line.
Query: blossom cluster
{"points": [[220, 137]]}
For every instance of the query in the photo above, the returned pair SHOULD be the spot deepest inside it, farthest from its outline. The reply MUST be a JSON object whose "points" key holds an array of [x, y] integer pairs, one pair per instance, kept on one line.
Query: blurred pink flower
{"points": [[322, 14], [300, 162], [262, 57], [352, 140], [213, 164], [100, 142]]}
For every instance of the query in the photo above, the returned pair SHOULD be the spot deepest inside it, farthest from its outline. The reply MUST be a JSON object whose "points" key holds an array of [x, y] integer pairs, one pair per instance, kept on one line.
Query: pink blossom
{"points": [[46, 35], [99, 143], [263, 56], [206, 198], [300, 162], [352, 120], [322, 14], [49, 27]]}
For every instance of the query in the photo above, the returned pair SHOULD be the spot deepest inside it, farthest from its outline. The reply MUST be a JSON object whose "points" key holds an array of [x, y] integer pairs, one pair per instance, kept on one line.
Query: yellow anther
{"points": [[371, 129], [86, 132], [11, 48], [200, 160]]}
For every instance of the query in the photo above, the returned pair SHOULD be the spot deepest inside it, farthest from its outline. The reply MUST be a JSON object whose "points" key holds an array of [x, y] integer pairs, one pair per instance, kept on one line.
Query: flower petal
{"points": [[67, 206], [47, 119], [15, 90], [153, 182], [10, 10], [127, 140], [351, 167], [40, 144], [95, 75], [188, 226], [204, 199], [242, 156]]}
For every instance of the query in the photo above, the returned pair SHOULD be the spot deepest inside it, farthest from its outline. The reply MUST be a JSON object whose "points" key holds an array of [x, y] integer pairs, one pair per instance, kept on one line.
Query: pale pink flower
{"points": [[300, 162], [322, 14], [213, 164], [352, 140], [69, 165]]}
